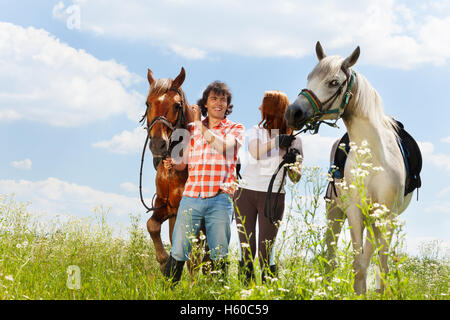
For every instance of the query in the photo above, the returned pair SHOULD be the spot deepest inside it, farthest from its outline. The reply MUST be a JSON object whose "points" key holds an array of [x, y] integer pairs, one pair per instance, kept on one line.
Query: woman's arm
{"points": [[260, 150]]}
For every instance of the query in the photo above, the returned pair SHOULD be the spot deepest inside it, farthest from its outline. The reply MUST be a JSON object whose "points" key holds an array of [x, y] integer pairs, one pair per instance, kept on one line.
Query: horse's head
{"points": [[327, 91], [166, 111]]}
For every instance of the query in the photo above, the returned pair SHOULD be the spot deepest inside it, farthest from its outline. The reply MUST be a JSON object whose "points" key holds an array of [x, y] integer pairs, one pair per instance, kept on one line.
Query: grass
{"points": [[35, 256]]}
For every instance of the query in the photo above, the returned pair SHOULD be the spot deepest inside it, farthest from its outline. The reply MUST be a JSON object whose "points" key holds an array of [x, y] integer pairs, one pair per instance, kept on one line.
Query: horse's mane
{"points": [[370, 104]]}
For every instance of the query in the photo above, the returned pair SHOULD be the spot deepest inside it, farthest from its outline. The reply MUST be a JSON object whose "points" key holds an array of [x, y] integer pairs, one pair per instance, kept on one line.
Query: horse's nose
{"points": [[158, 146], [161, 144], [295, 116]]}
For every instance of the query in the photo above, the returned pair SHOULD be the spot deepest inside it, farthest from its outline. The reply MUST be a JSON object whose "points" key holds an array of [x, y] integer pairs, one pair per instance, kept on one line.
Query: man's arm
{"points": [[220, 144]]}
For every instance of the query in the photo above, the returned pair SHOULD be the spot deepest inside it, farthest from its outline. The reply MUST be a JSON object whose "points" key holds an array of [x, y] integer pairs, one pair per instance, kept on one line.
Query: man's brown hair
{"points": [[219, 88]]}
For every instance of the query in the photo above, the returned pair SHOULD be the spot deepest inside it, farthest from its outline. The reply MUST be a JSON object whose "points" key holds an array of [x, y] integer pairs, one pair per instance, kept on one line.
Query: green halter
{"points": [[318, 106]]}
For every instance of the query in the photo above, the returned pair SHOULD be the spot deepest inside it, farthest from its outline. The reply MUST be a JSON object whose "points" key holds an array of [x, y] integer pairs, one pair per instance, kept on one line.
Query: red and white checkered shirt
{"points": [[210, 171]]}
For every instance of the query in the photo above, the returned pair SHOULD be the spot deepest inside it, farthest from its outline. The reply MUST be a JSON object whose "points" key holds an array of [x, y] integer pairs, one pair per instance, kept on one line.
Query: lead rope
{"points": [[289, 157], [140, 173]]}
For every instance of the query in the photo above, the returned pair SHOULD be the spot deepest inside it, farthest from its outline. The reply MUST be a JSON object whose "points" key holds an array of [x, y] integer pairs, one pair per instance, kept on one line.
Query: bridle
{"points": [[179, 123], [323, 108]]}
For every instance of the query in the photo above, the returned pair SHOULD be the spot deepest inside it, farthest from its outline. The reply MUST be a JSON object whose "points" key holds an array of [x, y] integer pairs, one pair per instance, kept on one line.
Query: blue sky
{"points": [[73, 85]]}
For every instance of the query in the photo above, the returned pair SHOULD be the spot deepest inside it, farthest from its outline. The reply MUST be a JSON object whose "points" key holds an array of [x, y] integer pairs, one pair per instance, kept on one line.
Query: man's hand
{"points": [[196, 112], [168, 163]]}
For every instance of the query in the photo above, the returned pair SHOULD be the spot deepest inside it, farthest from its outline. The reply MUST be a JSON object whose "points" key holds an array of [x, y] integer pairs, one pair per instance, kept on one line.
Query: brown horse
{"points": [[167, 114]]}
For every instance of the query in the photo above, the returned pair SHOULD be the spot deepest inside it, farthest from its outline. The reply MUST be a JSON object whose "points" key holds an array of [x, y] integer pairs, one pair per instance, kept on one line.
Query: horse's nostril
{"points": [[298, 115], [162, 144]]}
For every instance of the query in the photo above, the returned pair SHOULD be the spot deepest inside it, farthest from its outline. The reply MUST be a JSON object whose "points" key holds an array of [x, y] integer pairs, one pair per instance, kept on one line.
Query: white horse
{"points": [[333, 91]]}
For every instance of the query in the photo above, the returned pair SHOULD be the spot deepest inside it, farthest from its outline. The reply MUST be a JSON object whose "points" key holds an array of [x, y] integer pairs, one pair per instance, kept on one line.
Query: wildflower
{"points": [[364, 143], [378, 213], [246, 293], [227, 287], [245, 245], [283, 290], [9, 278], [202, 237]]}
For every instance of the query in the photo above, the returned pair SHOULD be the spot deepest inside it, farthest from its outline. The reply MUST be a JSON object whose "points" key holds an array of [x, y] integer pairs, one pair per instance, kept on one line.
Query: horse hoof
{"points": [[163, 262]]}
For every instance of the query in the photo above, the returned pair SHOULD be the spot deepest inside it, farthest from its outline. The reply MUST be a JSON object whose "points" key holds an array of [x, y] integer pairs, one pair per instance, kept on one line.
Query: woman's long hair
{"points": [[273, 107]]}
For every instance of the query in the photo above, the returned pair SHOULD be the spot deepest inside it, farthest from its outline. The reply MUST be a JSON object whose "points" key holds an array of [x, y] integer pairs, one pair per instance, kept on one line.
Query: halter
{"points": [[319, 106], [179, 123]]}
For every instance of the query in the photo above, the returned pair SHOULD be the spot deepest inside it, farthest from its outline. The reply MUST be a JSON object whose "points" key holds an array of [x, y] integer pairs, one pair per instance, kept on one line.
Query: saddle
{"points": [[412, 157]]}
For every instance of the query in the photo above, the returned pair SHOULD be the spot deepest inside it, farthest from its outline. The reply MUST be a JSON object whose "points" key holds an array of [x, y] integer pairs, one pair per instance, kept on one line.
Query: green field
{"points": [[35, 256]]}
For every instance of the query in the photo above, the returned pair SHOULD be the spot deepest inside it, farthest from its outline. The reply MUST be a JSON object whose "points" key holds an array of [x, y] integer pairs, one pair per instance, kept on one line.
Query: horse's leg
{"points": [[154, 228], [383, 255], [365, 260], [171, 226], [335, 220], [355, 221]]}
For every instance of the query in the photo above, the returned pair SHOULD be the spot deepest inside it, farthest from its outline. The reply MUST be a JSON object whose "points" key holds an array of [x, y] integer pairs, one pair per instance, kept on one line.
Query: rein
{"points": [[319, 106], [289, 157], [180, 122]]}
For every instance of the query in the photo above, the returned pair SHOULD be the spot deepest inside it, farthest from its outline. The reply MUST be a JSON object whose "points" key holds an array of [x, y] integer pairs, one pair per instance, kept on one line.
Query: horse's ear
{"points": [[179, 79], [150, 77], [351, 60], [319, 51]]}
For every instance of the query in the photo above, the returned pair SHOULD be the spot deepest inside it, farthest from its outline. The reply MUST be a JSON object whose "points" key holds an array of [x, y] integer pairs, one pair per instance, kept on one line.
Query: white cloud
{"points": [[53, 196], [125, 142], [128, 187], [317, 149], [389, 32], [7, 115], [446, 140], [22, 164], [439, 160], [45, 80]]}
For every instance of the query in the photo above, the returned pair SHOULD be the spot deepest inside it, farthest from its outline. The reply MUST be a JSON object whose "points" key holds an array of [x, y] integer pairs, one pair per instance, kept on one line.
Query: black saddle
{"points": [[412, 158]]}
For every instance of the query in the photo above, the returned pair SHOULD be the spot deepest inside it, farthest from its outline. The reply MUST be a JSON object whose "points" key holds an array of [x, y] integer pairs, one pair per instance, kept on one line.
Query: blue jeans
{"points": [[216, 212]]}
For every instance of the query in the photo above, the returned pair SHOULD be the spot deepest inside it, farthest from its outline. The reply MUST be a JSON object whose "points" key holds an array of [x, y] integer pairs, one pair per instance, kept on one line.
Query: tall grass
{"points": [[35, 256]]}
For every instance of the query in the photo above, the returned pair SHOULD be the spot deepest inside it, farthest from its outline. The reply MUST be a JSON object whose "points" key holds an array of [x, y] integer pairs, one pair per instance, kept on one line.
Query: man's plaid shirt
{"points": [[210, 171]]}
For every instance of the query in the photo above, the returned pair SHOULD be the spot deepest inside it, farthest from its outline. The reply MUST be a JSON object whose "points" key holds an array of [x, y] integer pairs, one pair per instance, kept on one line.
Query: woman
{"points": [[268, 143]]}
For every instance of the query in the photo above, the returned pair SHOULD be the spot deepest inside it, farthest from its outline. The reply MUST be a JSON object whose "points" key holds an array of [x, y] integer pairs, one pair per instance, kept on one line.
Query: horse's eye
{"points": [[333, 83], [177, 105]]}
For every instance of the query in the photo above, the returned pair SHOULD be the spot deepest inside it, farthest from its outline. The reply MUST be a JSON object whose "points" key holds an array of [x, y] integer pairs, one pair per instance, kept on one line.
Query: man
{"points": [[211, 157]]}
